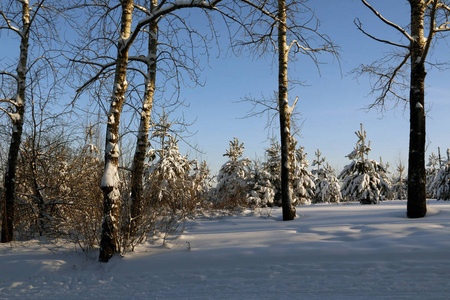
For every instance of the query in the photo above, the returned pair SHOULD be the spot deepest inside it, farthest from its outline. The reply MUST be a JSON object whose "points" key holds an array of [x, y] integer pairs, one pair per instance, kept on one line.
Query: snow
{"points": [[349, 251], [111, 119], [112, 148], [15, 117], [111, 176], [144, 113]]}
